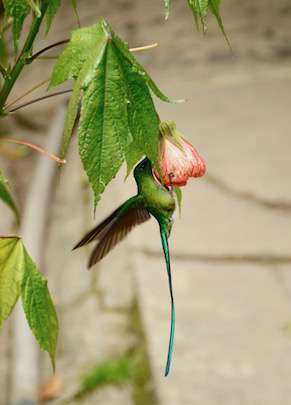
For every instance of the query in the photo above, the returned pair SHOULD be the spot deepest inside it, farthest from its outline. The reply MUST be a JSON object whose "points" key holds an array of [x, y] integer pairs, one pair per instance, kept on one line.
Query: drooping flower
{"points": [[178, 159]]}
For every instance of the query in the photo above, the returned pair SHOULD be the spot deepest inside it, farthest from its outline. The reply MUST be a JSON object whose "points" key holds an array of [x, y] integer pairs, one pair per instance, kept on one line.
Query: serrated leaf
{"points": [[34, 5], [11, 274], [71, 118], [167, 7], [85, 45], [19, 276], [5, 195], [142, 118], [179, 196], [18, 10], [39, 308], [51, 11], [199, 9], [103, 134], [118, 120], [123, 48], [214, 8], [75, 8]]}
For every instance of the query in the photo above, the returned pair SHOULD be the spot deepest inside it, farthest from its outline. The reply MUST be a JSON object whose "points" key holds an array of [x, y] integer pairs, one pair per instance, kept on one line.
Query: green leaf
{"points": [[71, 118], [75, 8], [123, 48], [214, 8], [143, 119], [35, 7], [5, 195], [39, 308], [51, 11], [178, 193], [200, 10], [104, 134], [18, 10], [167, 7], [11, 274], [19, 276], [118, 119]]}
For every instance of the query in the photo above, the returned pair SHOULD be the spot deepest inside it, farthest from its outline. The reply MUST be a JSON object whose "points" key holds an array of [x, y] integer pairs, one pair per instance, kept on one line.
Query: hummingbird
{"points": [[153, 199]]}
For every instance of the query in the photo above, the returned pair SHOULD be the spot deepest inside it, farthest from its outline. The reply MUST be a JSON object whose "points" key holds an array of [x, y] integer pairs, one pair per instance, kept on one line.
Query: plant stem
{"points": [[58, 93], [22, 59]]}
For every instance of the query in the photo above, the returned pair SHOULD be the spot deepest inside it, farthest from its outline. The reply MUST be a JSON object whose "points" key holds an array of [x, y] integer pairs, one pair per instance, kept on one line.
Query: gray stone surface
{"points": [[93, 306], [230, 346]]}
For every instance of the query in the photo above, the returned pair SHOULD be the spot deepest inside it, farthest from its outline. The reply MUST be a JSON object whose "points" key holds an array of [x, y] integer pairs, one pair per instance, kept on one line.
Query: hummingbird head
{"points": [[144, 167]]}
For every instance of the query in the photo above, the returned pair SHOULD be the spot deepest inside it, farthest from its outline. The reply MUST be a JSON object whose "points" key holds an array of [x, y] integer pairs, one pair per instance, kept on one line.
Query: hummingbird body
{"points": [[156, 198], [152, 199]]}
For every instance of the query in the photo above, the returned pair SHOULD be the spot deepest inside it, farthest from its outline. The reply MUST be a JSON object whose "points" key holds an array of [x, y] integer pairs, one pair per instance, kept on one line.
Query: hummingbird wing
{"points": [[164, 239], [100, 229], [117, 231], [114, 228]]}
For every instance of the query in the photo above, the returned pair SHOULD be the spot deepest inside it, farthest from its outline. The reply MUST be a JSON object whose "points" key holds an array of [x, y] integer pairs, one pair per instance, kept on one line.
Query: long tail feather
{"points": [[164, 238]]}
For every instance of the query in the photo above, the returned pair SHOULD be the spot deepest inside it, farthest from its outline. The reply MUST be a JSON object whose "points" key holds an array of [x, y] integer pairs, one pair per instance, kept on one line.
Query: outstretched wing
{"points": [[98, 231], [117, 230], [164, 238]]}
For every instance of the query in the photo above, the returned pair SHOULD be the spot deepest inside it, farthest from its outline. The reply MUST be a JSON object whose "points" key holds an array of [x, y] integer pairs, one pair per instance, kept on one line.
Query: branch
{"points": [[37, 86]]}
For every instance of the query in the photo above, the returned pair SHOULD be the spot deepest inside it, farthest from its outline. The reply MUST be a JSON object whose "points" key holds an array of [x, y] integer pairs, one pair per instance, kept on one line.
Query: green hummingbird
{"points": [[152, 199]]}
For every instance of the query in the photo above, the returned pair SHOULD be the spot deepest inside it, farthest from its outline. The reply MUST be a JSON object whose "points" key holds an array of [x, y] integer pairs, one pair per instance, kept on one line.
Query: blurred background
{"points": [[231, 251]]}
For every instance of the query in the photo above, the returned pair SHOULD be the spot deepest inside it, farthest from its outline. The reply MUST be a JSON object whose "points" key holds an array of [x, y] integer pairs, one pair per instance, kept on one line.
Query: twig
{"points": [[144, 48], [35, 147], [47, 48], [58, 93], [65, 41], [37, 86]]}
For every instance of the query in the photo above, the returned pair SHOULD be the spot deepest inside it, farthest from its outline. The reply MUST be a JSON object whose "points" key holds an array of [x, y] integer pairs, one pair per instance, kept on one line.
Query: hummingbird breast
{"points": [[158, 199]]}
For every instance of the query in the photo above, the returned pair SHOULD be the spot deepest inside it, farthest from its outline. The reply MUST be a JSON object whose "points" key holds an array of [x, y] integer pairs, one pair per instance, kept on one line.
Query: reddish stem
{"points": [[35, 147]]}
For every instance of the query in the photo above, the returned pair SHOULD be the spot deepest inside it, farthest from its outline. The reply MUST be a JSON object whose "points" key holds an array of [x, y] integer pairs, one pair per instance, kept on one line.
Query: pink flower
{"points": [[178, 159]]}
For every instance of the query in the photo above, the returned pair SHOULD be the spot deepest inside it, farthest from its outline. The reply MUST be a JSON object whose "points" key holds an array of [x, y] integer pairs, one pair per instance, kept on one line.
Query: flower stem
{"points": [[22, 59], [35, 147]]}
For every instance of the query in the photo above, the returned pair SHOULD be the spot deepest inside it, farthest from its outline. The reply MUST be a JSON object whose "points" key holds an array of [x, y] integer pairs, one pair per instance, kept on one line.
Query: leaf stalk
{"points": [[35, 147]]}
